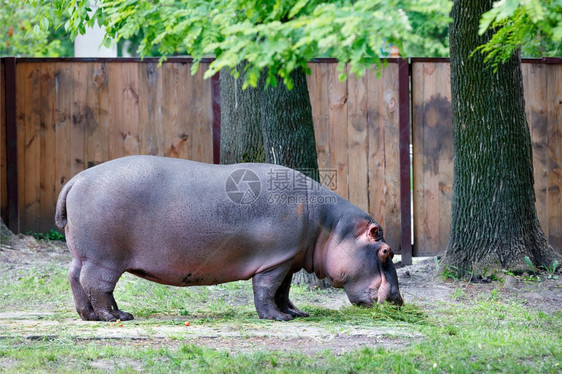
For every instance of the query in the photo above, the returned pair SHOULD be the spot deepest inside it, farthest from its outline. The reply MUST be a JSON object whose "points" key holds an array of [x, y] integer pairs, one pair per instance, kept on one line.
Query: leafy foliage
{"points": [[534, 26], [21, 34], [282, 35], [430, 29], [50, 235]]}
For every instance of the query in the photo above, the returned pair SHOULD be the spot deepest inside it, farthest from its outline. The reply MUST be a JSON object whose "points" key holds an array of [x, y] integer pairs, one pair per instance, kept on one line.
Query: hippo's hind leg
{"points": [[282, 299], [83, 306], [98, 283], [265, 286]]}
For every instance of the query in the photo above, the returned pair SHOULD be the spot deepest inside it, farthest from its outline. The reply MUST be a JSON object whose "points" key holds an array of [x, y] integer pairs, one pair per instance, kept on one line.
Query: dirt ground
{"points": [[419, 285]]}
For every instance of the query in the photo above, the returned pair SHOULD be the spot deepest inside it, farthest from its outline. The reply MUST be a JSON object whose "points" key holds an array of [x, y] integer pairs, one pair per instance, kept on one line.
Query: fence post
{"points": [[216, 102], [11, 143], [405, 129]]}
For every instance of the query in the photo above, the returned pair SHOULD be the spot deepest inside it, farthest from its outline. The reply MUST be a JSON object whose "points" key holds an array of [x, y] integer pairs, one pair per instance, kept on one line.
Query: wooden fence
{"points": [[433, 149], [70, 114]]}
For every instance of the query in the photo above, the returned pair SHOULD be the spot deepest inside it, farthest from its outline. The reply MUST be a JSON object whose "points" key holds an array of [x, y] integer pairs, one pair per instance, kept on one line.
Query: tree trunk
{"points": [[241, 129], [494, 220], [288, 130], [271, 125]]}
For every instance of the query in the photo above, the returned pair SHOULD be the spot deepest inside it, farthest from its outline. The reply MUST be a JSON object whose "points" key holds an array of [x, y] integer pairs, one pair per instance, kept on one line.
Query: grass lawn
{"points": [[473, 329]]}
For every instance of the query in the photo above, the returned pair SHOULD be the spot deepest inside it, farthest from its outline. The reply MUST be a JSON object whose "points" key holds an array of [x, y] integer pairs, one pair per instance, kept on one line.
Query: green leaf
{"points": [[44, 23], [506, 8], [297, 8], [194, 67], [529, 263], [535, 10], [486, 21]]}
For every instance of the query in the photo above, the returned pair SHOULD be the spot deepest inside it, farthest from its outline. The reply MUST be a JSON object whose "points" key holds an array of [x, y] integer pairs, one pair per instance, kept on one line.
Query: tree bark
{"points": [[241, 124], [288, 130], [494, 220], [269, 124]]}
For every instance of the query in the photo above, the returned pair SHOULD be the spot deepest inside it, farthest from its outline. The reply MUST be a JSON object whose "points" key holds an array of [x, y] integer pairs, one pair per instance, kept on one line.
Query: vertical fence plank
{"points": [[123, 107], [418, 147], [96, 115], [29, 100], [12, 147], [3, 165], [47, 143], [215, 106], [390, 116], [130, 110], [534, 81], [357, 141], [431, 162], [445, 152], [405, 130], [433, 156], [318, 92], [186, 138], [150, 124], [79, 118], [168, 91], [384, 188], [63, 95], [377, 201], [337, 122], [203, 108], [553, 83]]}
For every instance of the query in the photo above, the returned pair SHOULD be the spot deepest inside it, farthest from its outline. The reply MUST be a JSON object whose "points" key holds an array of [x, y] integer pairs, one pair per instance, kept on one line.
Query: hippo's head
{"points": [[361, 263]]}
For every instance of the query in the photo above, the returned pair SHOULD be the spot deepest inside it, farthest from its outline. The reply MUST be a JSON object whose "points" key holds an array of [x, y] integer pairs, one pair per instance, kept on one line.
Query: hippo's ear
{"points": [[374, 233]]}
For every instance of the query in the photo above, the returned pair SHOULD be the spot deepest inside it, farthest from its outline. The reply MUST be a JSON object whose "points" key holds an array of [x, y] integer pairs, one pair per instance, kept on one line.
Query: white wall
{"points": [[90, 44]]}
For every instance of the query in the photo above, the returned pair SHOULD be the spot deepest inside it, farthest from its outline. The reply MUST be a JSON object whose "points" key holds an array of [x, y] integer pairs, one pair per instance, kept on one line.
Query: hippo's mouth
{"points": [[380, 294], [369, 298], [364, 304]]}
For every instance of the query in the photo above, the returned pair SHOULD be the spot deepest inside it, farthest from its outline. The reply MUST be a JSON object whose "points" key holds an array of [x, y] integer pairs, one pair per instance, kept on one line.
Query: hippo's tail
{"points": [[60, 215]]}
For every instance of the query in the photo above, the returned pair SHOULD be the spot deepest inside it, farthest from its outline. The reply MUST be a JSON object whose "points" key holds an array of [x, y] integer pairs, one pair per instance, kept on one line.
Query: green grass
{"points": [[486, 335]]}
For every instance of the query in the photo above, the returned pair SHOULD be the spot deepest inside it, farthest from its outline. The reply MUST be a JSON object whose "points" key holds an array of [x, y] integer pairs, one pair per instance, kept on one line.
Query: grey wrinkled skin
{"points": [[171, 221]]}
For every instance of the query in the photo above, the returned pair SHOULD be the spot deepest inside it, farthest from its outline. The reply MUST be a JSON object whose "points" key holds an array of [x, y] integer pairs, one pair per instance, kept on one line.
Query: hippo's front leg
{"points": [[265, 286]]}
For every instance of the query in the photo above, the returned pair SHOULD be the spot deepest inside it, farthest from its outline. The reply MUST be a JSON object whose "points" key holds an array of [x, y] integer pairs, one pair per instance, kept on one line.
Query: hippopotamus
{"points": [[186, 223]]}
